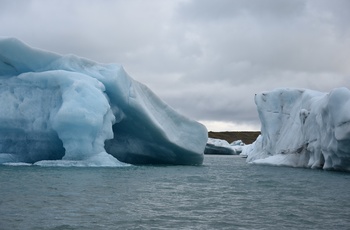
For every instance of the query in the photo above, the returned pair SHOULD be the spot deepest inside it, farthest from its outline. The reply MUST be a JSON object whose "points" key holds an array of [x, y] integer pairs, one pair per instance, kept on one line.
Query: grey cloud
{"points": [[334, 12], [305, 44], [207, 10]]}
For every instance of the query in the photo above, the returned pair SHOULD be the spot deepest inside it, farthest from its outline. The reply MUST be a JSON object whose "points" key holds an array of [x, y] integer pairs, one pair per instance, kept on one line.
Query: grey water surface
{"points": [[223, 193]]}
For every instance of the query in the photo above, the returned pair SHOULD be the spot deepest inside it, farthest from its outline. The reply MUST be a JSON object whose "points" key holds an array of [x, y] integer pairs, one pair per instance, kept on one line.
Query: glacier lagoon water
{"points": [[223, 193]]}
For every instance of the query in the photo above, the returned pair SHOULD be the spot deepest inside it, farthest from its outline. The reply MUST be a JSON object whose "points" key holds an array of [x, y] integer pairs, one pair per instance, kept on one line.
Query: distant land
{"points": [[247, 137]]}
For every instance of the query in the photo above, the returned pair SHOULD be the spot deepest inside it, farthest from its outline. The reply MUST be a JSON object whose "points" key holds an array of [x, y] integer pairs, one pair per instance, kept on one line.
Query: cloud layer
{"points": [[205, 58]]}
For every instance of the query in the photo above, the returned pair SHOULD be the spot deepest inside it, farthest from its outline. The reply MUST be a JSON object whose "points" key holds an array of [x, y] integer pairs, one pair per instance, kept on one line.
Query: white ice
{"points": [[219, 146], [68, 108], [303, 128]]}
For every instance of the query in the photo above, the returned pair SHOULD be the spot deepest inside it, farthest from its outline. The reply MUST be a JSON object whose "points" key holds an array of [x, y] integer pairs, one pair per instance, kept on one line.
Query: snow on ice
{"points": [[303, 128], [71, 109]]}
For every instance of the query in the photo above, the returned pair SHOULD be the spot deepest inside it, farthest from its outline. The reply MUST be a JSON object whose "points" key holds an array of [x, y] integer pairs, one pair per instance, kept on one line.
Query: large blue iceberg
{"points": [[68, 108]]}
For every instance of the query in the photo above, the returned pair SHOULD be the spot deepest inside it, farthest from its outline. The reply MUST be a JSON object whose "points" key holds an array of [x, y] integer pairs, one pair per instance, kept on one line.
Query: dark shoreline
{"points": [[247, 137]]}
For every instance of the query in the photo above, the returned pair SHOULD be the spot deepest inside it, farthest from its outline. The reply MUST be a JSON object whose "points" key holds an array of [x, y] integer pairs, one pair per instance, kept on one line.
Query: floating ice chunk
{"points": [[303, 128], [222, 147]]}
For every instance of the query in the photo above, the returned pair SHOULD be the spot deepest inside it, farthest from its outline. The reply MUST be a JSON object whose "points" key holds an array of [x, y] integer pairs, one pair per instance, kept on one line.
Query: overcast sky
{"points": [[205, 58]]}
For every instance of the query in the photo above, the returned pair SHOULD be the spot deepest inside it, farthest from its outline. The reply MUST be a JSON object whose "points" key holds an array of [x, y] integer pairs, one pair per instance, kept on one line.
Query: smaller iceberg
{"points": [[303, 128], [222, 147]]}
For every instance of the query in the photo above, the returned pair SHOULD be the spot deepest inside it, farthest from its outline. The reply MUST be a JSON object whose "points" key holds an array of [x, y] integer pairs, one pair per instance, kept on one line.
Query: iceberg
{"points": [[222, 147], [303, 128], [67, 108]]}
